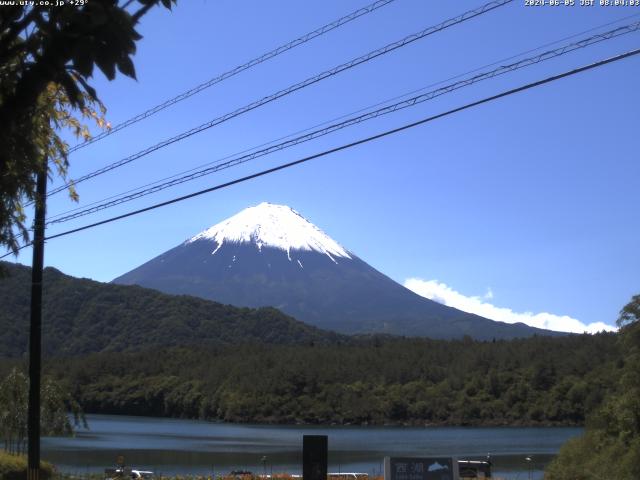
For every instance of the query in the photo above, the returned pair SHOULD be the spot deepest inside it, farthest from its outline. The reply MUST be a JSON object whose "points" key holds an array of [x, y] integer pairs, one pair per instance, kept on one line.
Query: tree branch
{"points": [[142, 12], [15, 29]]}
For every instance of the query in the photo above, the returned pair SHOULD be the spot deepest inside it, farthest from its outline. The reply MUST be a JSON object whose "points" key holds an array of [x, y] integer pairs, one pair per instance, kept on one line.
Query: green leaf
{"points": [[125, 65], [83, 59], [71, 89], [107, 66], [88, 88]]}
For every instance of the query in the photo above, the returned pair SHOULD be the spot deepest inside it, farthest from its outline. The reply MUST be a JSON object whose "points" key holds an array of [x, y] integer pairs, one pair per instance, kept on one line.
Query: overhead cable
{"points": [[234, 71], [386, 133], [293, 88], [343, 116], [222, 165]]}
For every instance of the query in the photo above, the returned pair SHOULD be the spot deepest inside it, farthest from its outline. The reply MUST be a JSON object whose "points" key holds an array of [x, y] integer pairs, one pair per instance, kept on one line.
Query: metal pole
{"points": [[35, 333]]}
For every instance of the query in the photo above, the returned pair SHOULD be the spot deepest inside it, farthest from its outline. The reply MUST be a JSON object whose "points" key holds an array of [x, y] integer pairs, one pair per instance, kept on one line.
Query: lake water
{"points": [[170, 446]]}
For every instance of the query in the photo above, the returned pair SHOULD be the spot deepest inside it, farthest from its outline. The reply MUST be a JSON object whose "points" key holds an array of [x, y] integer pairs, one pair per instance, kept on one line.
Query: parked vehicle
{"points": [[127, 473], [145, 474], [475, 469], [347, 476]]}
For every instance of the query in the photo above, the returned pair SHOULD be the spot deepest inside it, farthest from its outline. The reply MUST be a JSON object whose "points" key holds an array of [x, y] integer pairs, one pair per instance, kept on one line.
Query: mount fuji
{"points": [[270, 255]]}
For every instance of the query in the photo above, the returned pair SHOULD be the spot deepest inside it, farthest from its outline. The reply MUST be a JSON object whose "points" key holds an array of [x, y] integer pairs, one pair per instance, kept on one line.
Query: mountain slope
{"points": [[271, 255], [83, 316]]}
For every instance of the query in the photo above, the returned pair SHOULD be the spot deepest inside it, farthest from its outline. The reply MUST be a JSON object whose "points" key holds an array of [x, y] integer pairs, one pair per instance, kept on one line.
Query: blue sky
{"points": [[528, 203]]}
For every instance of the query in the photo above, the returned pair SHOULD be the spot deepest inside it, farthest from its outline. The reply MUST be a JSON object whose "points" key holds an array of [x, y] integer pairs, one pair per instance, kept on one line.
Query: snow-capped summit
{"points": [[270, 255], [275, 226]]}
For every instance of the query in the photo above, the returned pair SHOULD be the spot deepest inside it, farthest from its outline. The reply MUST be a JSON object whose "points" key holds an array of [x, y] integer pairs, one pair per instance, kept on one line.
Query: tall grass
{"points": [[14, 467]]}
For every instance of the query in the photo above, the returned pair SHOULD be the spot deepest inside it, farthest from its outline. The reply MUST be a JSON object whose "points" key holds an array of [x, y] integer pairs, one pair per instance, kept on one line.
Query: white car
{"points": [[147, 475]]}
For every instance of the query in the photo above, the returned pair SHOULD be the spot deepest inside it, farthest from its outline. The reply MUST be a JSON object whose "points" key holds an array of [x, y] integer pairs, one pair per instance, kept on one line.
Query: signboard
{"points": [[314, 457], [420, 468]]}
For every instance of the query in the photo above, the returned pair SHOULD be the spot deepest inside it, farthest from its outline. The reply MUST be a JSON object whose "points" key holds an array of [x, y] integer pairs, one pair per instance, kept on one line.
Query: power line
{"points": [[240, 68], [327, 122], [386, 133], [355, 120], [298, 86], [497, 62]]}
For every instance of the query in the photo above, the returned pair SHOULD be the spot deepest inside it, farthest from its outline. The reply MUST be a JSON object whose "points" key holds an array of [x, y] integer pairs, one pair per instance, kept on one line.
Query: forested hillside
{"points": [[537, 381], [83, 316], [129, 350], [610, 445]]}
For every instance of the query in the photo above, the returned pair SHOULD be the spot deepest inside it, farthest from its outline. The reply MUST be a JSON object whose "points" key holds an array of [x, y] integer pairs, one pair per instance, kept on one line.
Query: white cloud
{"points": [[442, 293]]}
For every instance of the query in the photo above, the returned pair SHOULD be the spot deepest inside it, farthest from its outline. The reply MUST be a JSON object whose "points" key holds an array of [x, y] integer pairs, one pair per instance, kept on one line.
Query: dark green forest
{"points": [[130, 350], [610, 445], [84, 316], [377, 380]]}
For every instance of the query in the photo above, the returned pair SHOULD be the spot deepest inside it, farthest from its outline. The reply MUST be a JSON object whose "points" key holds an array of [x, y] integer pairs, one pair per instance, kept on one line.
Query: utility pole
{"points": [[35, 332]]}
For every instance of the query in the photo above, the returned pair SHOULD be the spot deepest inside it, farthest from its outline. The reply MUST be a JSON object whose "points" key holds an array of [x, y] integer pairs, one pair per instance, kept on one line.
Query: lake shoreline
{"points": [[272, 421], [194, 447]]}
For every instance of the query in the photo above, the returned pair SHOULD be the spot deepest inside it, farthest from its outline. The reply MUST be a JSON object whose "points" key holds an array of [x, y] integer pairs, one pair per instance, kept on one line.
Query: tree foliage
{"points": [[165, 355], [14, 467], [610, 447], [630, 313], [54, 407], [371, 380], [85, 316], [47, 57]]}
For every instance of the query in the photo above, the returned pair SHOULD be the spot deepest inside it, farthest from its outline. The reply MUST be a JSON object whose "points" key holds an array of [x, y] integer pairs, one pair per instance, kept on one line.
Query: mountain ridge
{"points": [[245, 261], [84, 316]]}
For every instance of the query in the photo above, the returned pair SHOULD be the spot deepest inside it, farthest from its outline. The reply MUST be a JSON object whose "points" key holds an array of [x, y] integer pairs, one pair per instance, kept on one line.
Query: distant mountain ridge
{"points": [[84, 316], [270, 255]]}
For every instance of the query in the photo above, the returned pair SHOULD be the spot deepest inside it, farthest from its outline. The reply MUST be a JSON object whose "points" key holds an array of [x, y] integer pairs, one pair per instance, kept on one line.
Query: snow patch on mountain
{"points": [[276, 226]]}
